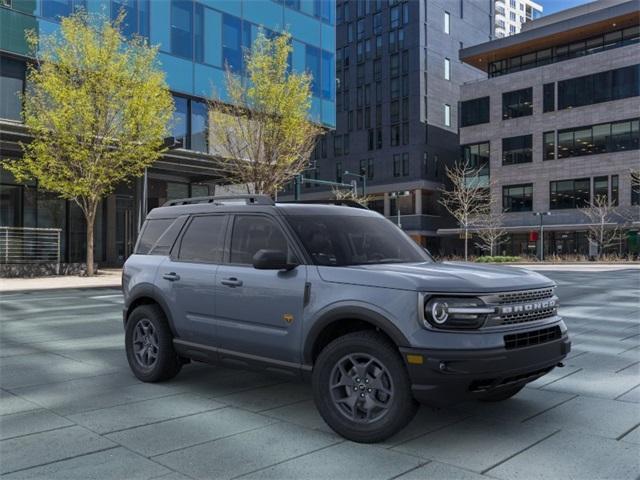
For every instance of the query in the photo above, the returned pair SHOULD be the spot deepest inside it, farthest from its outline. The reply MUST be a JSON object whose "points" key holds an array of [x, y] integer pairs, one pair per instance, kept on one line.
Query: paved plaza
{"points": [[71, 409]]}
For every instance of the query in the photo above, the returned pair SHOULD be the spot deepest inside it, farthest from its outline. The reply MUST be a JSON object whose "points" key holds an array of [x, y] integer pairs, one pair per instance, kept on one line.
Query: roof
{"points": [[560, 28]]}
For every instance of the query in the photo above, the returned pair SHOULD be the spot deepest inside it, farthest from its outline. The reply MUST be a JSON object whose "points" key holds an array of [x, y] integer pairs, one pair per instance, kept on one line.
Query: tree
{"points": [[262, 132], [467, 198], [605, 220], [350, 194], [98, 108], [490, 230]]}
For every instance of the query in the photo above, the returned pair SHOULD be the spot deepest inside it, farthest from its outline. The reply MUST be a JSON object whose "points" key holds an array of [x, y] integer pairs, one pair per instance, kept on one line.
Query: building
{"points": [[398, 78], [555, 120], [510, 15], [196, 38]]}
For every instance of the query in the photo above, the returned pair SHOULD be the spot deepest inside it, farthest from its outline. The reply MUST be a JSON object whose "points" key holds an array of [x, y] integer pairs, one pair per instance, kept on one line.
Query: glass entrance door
{"points": [[125, 231]]}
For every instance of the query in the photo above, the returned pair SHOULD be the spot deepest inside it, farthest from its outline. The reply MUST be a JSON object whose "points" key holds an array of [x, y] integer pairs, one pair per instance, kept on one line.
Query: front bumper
{"points": [[450, 376]]}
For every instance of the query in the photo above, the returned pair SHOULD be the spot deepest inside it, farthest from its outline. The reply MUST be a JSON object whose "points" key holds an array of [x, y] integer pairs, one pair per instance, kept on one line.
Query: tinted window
{"points": [[570, 193], [181, 28], [341, 241], [517, 198], [252, 233], [204, 239], [549, 98], [11, 84], [168, 238], [518, 103], [151, 233], [600, 87], [516, 150], [473, 112]]}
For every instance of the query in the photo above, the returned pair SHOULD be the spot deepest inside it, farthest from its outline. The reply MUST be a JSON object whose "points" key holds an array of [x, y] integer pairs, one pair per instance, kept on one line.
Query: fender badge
{"points": [[287, 317]]}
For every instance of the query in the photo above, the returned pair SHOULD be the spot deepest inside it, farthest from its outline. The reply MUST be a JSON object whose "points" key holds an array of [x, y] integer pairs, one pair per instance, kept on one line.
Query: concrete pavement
{"points": [[70, 408]]}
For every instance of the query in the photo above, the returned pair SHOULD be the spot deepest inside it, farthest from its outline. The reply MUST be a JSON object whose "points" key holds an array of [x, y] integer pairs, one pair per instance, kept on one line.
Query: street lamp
{"points": [[541, 215], [397, 196], [364, 181]]}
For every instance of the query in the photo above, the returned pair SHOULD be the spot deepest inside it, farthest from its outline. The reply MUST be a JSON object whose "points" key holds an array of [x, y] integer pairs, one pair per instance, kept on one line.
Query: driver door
{"points": [[259, 312]]}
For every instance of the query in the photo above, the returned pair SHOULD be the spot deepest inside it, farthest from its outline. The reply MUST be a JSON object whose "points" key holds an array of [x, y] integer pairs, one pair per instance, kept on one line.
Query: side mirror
{"points": [[271, 260]]}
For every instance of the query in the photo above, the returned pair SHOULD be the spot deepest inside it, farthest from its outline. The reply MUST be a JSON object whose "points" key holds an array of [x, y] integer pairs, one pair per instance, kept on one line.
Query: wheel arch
{"points": [[146, 295], [347, 319]]}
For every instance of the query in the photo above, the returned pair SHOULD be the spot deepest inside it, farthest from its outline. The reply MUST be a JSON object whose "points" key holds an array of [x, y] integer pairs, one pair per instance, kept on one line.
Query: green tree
{"points": [[98, 108], [262, 131]]}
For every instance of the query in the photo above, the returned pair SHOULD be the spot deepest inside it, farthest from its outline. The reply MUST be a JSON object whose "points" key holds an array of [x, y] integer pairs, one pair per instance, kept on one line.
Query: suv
{"points": [[338, 295]]}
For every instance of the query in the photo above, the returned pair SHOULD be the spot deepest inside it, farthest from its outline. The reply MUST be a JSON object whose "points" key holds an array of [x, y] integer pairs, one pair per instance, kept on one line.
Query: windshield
{"points": [[359, 240]]}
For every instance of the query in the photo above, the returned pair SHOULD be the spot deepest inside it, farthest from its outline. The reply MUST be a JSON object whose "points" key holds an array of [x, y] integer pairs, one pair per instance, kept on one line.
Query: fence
{"points": [[21, 245]]}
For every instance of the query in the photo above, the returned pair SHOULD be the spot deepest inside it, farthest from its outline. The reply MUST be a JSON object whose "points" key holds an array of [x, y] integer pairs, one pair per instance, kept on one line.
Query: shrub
{"points": [[498, 259]]}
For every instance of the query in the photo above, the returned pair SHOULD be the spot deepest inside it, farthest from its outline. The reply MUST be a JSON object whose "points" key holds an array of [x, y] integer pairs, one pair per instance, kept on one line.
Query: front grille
{"points": [[536, 337], [524, 296], [523, 317]]}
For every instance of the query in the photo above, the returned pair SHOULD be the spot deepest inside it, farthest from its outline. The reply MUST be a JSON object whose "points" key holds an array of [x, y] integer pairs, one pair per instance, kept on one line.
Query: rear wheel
{"points": [[149, 345], [361, 387], [502, 395]]}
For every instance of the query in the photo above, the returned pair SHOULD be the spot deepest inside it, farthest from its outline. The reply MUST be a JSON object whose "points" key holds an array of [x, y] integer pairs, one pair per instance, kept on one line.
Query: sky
{"points": [[553, 6]]}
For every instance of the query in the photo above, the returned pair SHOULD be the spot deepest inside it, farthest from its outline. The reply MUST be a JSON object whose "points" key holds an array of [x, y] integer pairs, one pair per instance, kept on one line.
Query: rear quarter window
{"points": [[150, 234]]}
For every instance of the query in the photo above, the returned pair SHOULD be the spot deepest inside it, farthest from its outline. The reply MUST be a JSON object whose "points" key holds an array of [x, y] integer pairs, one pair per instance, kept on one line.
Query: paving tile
{"points": [[553, 375], [566, 455], [303, 413], [631, 396], [246, 452], [92, 393], [476, 444], [213, 381], [596, 384], [116, 463], [527, 403], [41, 448], [266, 398], [10, 403], [607, 418], [633, 436], [597, 362], [34, 421], [141, 413], [345, 460], [440, 471], [426, 420], [184, 432], [41, 368], [173, 476]]}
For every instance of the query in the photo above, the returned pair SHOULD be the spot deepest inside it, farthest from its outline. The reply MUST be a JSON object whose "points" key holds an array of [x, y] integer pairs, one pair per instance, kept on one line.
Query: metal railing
{"points": [[29, 245]]}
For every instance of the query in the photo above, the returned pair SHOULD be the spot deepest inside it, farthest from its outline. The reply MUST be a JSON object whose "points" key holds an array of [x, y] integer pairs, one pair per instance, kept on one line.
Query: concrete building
{"points": [[510, 15], [556, 122], [397, 97], [196, 39]]}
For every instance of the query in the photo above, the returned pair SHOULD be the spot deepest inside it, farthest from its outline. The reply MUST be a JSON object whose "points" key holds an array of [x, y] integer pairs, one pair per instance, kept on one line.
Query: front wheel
{"points": [[361, 387]]}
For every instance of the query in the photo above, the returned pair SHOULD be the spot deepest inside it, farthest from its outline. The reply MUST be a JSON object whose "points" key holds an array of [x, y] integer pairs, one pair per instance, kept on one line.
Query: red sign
{"points": [[533, 236]]}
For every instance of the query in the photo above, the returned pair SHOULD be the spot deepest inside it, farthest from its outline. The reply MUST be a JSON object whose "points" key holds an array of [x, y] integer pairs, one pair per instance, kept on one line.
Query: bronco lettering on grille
{"points": [[527, 307]]}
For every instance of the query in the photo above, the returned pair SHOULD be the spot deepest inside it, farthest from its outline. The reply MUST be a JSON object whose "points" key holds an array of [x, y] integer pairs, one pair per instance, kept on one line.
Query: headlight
{"points": [[456, 312]]}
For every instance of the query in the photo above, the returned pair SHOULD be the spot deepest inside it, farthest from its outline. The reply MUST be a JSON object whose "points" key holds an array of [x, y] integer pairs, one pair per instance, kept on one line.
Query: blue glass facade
{"points": [[198, 38]]}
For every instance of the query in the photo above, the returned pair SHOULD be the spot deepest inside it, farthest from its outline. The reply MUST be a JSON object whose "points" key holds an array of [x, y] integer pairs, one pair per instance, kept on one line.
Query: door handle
{"points": [[231, 282], [171, 276]]}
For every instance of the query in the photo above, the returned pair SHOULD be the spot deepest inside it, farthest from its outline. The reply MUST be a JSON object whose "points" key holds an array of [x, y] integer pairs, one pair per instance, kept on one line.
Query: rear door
{"points": [[259, 312], [187, 277]]}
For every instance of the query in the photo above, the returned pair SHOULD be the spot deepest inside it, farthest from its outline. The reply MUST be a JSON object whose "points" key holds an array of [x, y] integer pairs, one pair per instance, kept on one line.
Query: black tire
{"points": [[400, 408], [166, 363], [502, 395]]}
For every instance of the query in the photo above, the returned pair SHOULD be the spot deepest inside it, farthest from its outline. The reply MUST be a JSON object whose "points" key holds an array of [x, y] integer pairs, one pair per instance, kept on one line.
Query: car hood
{"points": [[437, 277]]}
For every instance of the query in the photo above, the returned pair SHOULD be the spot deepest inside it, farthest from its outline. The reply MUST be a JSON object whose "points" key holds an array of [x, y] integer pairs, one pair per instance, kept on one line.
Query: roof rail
{"points": [[342, 203], [219, 199]]}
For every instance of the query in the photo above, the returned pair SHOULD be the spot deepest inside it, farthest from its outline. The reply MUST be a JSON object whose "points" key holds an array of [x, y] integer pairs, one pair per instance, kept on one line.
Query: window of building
{"points": [[12, 80], [549, 146], [182, 29], [405, 133], [517, 198], [394, 65], [378, 139], [615, 190], [517, 103], [180, 122], [573, 193], [312, 62], [377, 23], [339, 172], [447, 115], [327, 76], [549, 97], [378, 51], [476, 156], [601, 188], [345, 143], [405, 164], [517, 150], [136, 20], [54, 10], [447, 69], [395, 135], [474, 112], [337, 145], [635, 189], [199, 126], [600, 87], [192, 246], [602, 138], [394, 17], [395, 88], [447, 23], [370, 139]]}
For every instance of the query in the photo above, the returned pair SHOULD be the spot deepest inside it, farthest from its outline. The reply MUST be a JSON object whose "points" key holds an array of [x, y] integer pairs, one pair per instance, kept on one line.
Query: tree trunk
{"points": [[466, 243], [90, 217]]}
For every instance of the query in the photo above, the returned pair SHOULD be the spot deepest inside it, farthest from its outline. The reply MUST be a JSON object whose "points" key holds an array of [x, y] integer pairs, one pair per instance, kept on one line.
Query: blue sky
{"points": [[553, 6]]}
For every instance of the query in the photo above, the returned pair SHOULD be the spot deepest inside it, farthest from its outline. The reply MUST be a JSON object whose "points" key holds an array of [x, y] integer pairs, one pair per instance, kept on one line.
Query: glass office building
{"points": [[197, 40]]}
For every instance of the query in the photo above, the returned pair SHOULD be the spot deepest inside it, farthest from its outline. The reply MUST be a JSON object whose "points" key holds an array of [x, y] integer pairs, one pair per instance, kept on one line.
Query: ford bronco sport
{"points": [[336, 294]]}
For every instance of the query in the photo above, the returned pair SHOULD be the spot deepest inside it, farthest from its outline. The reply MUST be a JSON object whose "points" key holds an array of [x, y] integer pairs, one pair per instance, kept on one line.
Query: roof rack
{"points": [[219, 199], [342, 203]]}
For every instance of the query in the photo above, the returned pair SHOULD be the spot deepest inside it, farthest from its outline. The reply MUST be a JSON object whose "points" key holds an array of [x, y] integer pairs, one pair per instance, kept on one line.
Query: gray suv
{"points": [[338, 295]]}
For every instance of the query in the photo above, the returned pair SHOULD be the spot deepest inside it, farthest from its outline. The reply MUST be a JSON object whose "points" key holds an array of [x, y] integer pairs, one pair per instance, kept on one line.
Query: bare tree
{"points": [[468, 197], [350, 194], [490, 229], [605, 223]]}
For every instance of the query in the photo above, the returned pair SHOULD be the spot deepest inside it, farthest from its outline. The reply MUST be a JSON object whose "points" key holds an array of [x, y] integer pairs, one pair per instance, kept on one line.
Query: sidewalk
{"points": [[107, 277]]}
